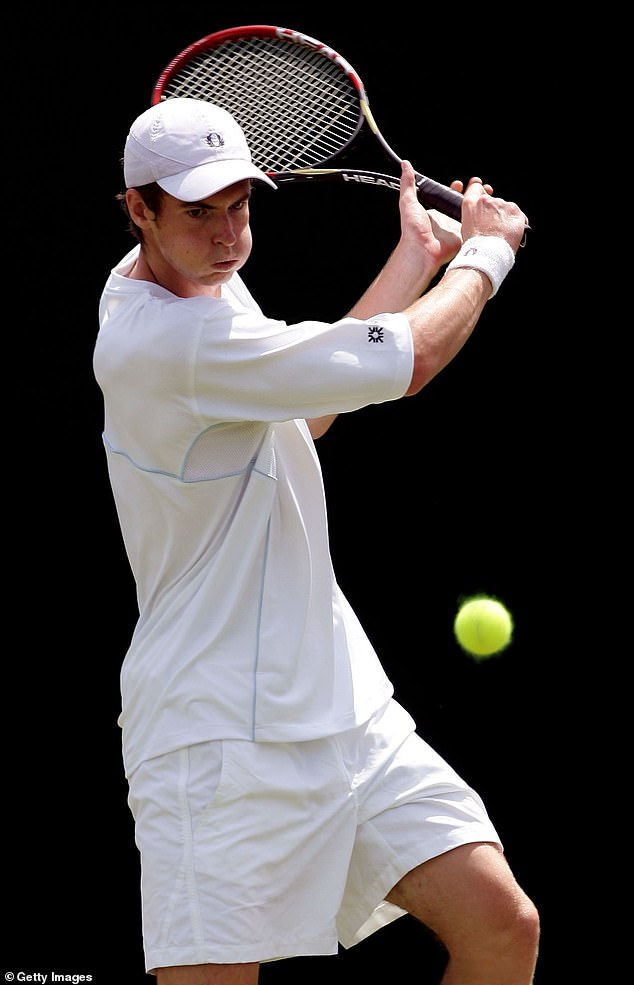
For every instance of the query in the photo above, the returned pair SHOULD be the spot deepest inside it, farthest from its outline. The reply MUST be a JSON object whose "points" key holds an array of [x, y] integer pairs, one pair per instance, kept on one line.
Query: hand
{"points": [[485, 215], [437, 236], [446, 229]]}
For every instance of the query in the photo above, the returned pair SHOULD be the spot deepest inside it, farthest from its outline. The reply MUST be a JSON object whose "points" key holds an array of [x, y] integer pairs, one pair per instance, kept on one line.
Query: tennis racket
{"points": [[301, 105]]}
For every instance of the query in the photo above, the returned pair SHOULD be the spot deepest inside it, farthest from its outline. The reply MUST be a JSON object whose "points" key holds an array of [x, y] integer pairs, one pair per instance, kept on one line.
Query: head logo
{"points": [[215, 139], [375, 333]]}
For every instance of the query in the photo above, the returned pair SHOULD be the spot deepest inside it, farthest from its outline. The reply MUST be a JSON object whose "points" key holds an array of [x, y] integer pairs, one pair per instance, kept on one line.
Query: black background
{"points": [[466, 488]]}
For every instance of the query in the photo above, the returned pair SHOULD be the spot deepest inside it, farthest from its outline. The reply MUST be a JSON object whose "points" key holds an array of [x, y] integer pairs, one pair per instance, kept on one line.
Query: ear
{"points": [[140, 214]]}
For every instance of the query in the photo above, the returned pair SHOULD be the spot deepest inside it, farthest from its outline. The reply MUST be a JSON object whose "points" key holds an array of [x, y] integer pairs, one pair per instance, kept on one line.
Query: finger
{"points": [[408, 181], [407, 171]]}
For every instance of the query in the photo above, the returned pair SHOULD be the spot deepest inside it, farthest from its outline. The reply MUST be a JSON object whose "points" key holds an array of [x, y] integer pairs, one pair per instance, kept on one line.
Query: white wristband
{"points": [[490, 254]]}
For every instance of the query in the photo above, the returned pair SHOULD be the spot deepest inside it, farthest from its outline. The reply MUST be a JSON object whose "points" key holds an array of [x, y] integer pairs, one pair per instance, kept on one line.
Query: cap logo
{"points": [[215, 139]]}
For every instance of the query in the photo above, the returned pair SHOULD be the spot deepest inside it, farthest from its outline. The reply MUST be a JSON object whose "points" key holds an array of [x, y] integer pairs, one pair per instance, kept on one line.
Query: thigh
{"points": [[209, 974]]}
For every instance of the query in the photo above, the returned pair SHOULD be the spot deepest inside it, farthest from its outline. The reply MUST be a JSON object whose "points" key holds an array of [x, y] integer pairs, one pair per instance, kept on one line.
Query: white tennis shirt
{"points": [[243, 631]]}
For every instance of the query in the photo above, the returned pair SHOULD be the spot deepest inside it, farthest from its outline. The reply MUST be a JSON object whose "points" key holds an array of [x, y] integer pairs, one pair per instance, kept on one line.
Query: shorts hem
{"points": [[166, 957]]}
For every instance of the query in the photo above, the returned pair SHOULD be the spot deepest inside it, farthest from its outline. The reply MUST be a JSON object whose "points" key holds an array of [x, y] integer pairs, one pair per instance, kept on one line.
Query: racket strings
{"points": [[297, 108]]}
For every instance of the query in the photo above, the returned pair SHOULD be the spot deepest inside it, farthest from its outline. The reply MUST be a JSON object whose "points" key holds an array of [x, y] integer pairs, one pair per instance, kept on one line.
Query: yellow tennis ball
{"points": [[483, 626]]}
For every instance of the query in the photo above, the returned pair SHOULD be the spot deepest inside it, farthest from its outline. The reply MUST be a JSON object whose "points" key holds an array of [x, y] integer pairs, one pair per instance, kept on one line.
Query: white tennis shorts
{"points": [[259, 851]]}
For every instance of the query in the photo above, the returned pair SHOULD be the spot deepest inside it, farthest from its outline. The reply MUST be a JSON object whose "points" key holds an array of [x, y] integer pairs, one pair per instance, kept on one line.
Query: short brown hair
{"points": [[152, 194]]}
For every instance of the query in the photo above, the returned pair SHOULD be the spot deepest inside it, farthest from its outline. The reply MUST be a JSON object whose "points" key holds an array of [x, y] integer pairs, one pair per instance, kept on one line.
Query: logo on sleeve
{"points": [[375, 333]]}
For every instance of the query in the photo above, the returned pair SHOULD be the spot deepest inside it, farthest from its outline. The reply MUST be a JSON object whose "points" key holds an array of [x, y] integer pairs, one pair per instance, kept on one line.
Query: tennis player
{"points": [[284, 802]]}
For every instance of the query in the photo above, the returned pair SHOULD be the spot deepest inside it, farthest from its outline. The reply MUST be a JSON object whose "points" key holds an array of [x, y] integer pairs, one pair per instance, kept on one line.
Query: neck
{"points": [[171, 280], [142, 269]]}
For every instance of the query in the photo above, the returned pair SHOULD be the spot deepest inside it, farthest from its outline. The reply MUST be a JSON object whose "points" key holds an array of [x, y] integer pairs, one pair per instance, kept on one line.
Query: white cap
{"points": [[190, 147]]}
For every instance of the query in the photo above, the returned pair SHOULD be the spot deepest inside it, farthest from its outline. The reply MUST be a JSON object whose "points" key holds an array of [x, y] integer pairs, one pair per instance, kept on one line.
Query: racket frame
{"points": [[431, 193]]}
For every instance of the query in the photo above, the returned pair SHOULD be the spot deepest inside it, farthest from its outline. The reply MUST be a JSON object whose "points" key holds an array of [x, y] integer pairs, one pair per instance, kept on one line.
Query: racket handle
{"points": [[436, 196]]}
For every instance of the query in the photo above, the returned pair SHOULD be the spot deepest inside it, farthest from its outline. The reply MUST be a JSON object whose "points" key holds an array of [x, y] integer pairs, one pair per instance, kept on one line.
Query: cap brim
{"points": [[207, 179]]}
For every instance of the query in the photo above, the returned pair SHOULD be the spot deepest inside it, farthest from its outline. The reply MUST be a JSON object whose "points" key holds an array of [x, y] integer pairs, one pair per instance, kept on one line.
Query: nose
{"points": [[225, 231]]}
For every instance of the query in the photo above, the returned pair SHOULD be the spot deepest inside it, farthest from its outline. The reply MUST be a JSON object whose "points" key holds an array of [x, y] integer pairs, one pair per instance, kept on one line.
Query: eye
{"points": [[196, 213]]}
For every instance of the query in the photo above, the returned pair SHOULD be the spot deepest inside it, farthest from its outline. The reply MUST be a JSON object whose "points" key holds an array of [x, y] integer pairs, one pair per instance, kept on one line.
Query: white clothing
{"points": [[243, 632], [256, 851]]}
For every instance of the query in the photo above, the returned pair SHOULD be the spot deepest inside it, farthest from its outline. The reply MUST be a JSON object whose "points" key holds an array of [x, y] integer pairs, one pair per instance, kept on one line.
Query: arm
{"points": [[428, 240], [442, 319], [319, 425]]}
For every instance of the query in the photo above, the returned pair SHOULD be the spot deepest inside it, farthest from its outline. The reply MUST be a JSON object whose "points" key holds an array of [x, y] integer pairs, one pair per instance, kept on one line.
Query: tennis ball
{"points": [[483, 626]]}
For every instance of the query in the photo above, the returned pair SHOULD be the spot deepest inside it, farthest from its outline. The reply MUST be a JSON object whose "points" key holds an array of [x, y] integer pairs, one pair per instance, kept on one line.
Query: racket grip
{"points": [[433, 195]]}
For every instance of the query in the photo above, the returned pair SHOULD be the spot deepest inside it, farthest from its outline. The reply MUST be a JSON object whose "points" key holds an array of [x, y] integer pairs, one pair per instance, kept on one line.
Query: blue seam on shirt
{"points": [[259, 633], [175, 475]]}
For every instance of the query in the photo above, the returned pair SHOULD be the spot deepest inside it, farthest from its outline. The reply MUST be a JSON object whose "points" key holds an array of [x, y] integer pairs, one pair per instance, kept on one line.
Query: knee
{"points": [[472, 902], [509, 923], [495, 918], [503, 911], [523, 924]]}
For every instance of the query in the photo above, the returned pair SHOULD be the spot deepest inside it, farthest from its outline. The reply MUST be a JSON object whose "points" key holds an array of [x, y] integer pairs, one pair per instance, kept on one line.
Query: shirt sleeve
{"points": [[264, 369]]}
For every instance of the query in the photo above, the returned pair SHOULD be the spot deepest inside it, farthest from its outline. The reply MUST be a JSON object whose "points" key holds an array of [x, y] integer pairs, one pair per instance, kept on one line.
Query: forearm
{"points": [[443, 320], [397, 286], [401, 281]]}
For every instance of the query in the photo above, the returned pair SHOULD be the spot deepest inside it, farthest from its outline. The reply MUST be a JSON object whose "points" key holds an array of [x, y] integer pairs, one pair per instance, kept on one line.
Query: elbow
{"points": [[319, 425], [421, 375]]}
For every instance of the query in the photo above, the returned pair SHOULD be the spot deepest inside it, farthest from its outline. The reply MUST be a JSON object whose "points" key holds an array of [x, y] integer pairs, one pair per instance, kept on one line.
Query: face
{"points": [[192, 247]]}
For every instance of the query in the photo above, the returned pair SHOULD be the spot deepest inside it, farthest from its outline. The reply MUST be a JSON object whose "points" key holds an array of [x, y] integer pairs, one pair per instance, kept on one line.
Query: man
{"points": [[283, 800]]}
